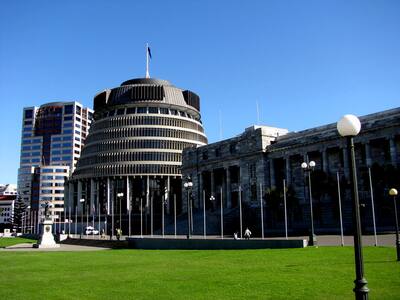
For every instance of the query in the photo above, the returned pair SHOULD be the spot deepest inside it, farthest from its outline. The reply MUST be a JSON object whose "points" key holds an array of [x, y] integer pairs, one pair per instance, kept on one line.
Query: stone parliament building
{"points": [[252, 167]]}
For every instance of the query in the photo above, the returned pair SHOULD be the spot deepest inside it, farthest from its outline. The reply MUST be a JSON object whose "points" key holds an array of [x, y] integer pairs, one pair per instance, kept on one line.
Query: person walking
{"points": [[119, 233], [247, 233]]}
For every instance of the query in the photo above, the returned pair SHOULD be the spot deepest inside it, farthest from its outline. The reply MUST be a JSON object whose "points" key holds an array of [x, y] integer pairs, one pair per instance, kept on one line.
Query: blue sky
{"points": [[306, 63]]}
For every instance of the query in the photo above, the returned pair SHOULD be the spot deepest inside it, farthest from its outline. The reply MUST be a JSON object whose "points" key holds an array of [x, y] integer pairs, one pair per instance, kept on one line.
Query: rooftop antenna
{"points": [[148, 55], [258, 113], [220, 125]]}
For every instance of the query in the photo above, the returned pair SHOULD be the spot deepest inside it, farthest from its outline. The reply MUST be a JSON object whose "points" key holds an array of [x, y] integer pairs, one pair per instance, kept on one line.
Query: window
{"points": [[77, 126], [67, 131], [232, 148], [78, 119], [130, 110], [67, 125], [26, 135], [78, 110], [55, 152], [36, 147], [36, 141], [142, 110], [218, 152], [67, 144], [164, 110], [26, 148], [153, 110], [28, 114], [27, 128], [35, 160], [28, 123], [59, 177], [68, 109], [120, 111], [56, 138], [205, 155], [56, 145], [47, 170], [66, 152], [68, 118], [66, 157], [77, 139], [77, 132]]}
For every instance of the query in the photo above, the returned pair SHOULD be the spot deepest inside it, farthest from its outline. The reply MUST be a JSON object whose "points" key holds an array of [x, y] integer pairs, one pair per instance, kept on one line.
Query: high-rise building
{"points": [[52, 138], [133, 153], [8, 194]]}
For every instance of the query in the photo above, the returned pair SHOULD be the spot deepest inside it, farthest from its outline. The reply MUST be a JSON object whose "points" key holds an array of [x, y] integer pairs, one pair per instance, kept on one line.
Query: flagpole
{"points": [[147, 61]]}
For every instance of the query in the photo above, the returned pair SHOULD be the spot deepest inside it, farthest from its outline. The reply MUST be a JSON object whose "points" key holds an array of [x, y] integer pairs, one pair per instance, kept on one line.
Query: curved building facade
{"points": [[133, 153]]}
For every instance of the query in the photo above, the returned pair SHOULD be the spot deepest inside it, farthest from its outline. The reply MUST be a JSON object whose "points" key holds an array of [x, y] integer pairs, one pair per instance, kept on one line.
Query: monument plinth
{"points": [[47, 238]]}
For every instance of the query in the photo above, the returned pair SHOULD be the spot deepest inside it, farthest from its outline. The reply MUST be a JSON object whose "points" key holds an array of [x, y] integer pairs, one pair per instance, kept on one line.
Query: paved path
{"points": [[63, 247], [322, 240]]}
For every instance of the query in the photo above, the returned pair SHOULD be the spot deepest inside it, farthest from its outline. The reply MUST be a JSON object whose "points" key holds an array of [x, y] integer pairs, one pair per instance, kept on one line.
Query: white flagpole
{"points": [[372, 205], [262, 212], [340, 209], [151, 215], [76, 219], [147, 61], [284, 203], [162, 210], [175, 214], [204, 215], [129, 206], [222, 217], [141, 217], [240, 211]]}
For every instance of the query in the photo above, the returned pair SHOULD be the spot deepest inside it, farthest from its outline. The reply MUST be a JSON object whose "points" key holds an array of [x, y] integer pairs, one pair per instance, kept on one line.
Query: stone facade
{"points": [[254, 165]]}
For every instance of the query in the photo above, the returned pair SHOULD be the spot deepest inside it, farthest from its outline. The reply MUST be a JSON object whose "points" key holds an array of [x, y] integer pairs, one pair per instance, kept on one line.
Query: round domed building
{"points": [[132, 157]]}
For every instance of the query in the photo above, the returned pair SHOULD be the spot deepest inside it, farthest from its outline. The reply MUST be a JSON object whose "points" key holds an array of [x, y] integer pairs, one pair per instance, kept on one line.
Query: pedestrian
{"points": [[103, 234], [247, 233], [235, 236], [119, 233]]}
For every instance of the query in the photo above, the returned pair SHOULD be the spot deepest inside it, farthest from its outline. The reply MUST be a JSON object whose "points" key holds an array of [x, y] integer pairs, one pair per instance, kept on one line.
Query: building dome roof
{"points": [[152, 81]]}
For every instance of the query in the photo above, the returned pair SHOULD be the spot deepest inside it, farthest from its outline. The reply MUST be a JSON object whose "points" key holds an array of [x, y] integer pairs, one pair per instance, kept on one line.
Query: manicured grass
{"points": [[311, 273], [5, 242]]}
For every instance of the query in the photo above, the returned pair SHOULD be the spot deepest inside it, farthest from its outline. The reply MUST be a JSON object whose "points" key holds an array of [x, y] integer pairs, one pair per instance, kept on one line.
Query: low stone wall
{"points": [[213, 244]]}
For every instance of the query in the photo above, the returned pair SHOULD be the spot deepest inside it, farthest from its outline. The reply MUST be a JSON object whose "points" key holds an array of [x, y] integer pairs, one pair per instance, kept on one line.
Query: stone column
{"points": [[325, 164], [170, 197], [271, 173], [92, 196], [346, 169], [199, 197], [108, 196], [288, 170], [393, 151], [228, 188], [70, 196], [368, 159], [212, 183], [79, 204]]}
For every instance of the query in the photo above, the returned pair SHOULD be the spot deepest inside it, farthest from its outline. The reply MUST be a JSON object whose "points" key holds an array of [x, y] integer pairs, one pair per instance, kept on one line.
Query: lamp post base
{"points": [[361, 290], [312, 240]]}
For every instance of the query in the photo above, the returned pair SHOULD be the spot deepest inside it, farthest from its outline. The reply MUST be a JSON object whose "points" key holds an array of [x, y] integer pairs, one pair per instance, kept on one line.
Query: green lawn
{"points": [[311, 273], [5, 242]]}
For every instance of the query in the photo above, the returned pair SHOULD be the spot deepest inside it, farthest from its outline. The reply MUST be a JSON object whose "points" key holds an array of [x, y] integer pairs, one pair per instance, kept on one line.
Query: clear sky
{"points": [[306, 63]]}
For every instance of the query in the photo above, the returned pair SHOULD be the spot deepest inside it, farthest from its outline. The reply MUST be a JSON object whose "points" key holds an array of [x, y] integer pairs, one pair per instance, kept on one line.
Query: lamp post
{"points": [[81, 201], [120, 196], [308, 168], [188, 186], [349, 126], [393, 192]]}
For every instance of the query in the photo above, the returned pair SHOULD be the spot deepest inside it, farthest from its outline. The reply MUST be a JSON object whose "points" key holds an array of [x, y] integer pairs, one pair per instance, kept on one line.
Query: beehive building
{"points": [[133, 153]]}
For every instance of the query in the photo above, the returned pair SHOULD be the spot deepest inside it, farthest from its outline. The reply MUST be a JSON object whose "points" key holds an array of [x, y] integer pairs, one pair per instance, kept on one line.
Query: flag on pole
{"points": [[149, 51]]}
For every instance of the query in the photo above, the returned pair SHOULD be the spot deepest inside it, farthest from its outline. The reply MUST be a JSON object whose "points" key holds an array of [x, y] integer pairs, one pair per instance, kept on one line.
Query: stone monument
{"points": [[47, 238]]}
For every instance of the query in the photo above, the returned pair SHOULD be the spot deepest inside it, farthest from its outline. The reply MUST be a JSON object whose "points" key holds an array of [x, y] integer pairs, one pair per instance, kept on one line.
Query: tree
{"points": [[19, 211]]}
